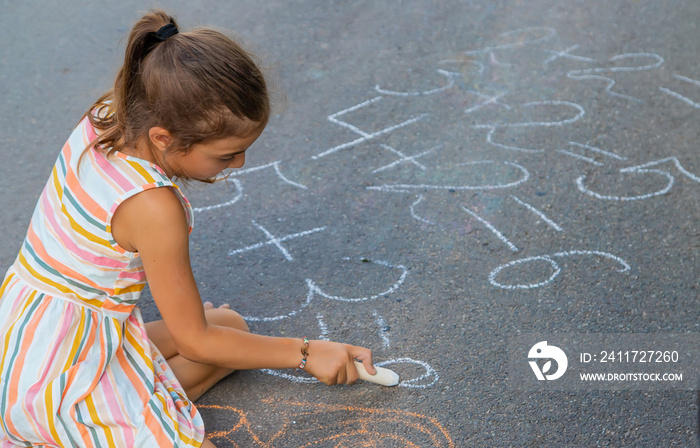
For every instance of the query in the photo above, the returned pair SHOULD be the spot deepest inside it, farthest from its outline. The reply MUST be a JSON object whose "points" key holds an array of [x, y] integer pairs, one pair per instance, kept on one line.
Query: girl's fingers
{"points": [[365, 355], [351, 374]]}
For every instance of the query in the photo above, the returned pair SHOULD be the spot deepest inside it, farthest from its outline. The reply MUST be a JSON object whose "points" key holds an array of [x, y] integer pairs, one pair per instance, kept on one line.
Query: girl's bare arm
{"points": [[154, 224]]}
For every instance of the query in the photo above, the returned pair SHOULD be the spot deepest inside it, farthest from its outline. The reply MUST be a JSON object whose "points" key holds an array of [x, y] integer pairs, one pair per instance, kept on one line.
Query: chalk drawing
{"points": [[492, 127], [683, 98], [481, 67], [598, 150], [542, 216], [322, 325], [413, 211], [314, 290], [392, 288], [520, 38], [383, 329], [584, 189], [427, 378], [494, 61], [239, 195], [495, 231], [565, 54], [364, 136], [579, 157], [592, 73], [580, 112], [488, 99], [307, 425], [273, 165], [404, 158], [555, 267], [273, 240], [450, 83], [403, 188], [641, 169], [675, 161]]}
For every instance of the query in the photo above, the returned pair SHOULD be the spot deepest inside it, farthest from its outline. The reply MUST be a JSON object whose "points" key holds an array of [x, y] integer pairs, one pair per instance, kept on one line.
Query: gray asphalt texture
{"points": [[413, 240]]}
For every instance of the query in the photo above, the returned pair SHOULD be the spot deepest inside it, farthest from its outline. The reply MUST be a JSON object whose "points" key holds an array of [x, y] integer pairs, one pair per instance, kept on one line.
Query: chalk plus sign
{"points": [[276, 241], [405, 158]]}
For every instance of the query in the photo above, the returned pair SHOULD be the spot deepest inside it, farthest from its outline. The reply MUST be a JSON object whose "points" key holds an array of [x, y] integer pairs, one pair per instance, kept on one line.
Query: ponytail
{"points": [[199, 85]]}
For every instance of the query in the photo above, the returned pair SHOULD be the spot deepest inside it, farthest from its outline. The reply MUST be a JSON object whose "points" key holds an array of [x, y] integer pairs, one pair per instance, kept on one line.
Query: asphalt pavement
{"points": [[438, 180]]}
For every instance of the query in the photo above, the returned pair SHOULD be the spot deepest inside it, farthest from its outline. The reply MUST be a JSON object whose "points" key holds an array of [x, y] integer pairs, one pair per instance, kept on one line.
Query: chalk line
{"points": [[413, 211], [554, 265], [591, 73], [313, 289], [275, 165], [579, 157], [404, 188], [405, 158], [404, 272], [549, 33], [273, 240], [323, 327], [680, 97], [598, 150], [542, 216], [488, 100], [489, 140], [495, 231], [239, 188], [583, 189], [411, 383], [364, 136], [675, 161], [580, 113], [383, 329], [565, 54], [450, 84]]}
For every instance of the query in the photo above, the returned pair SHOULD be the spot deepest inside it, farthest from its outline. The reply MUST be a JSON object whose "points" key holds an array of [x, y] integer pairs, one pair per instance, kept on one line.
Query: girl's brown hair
{"points": [[199, 85]]}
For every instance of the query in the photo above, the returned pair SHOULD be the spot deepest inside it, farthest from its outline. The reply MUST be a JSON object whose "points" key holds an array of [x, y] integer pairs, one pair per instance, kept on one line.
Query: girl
{"points": [[78, 366]]}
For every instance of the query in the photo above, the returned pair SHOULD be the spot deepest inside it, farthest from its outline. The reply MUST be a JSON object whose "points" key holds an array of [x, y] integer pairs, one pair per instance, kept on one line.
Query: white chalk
{"points": [[385, 377]]}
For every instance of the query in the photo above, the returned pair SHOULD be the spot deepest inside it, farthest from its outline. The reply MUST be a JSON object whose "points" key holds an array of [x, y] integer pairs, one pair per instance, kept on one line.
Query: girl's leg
{"points": [[207, 444], [194, 377]]}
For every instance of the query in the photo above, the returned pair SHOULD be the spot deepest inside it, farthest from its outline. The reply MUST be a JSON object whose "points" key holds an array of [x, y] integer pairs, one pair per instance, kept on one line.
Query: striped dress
{"points": [[76, 366]]}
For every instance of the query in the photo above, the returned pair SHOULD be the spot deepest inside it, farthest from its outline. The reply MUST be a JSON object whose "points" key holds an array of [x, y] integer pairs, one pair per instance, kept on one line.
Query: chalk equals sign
{"points": [[591, 149], [500, 235]]}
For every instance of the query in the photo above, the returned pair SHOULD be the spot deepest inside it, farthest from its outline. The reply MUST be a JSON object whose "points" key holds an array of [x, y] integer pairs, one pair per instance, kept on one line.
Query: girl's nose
{"points": [[237, 162]]}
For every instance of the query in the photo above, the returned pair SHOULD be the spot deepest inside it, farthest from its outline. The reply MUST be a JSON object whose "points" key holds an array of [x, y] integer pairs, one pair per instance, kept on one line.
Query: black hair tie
{"points": [[165, 32]]}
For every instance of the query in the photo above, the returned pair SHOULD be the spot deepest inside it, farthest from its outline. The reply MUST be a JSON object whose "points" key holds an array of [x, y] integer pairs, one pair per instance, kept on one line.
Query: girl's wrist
{"points": [[304, 352]]}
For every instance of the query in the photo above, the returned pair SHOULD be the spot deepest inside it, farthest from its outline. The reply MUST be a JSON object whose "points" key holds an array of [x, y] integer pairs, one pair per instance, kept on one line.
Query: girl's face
{"points": [[208, 160]]}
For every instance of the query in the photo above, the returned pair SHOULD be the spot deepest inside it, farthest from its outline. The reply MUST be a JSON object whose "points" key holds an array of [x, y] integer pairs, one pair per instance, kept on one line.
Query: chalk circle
{"points": [[316, 289], [670, 180], [487, 184], [577, 112], [555, 267], [492, 276], [222, 181], [427, 379]]}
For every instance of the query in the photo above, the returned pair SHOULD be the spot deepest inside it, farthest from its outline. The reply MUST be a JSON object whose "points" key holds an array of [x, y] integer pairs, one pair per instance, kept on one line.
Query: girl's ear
{"points": [[159, 137]]}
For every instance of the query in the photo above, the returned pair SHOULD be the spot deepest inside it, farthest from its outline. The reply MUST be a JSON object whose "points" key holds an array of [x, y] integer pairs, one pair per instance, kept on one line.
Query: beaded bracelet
{"points": [[304, 353]]}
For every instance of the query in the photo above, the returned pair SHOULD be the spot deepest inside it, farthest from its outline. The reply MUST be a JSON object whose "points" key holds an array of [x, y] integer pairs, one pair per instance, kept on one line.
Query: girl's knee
{"points": [[226, 318]]}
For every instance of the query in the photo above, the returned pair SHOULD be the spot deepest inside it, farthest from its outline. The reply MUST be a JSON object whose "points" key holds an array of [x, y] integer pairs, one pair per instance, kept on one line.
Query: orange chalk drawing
{"points": [[307, 425]]}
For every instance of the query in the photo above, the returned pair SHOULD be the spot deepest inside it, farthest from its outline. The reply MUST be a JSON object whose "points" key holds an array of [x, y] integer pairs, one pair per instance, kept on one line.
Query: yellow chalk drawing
{"points": [[336, 426]]}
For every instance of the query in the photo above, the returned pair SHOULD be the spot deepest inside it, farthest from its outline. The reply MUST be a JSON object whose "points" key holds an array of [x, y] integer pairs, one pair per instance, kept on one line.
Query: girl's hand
{"points": [[332, 362]]}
